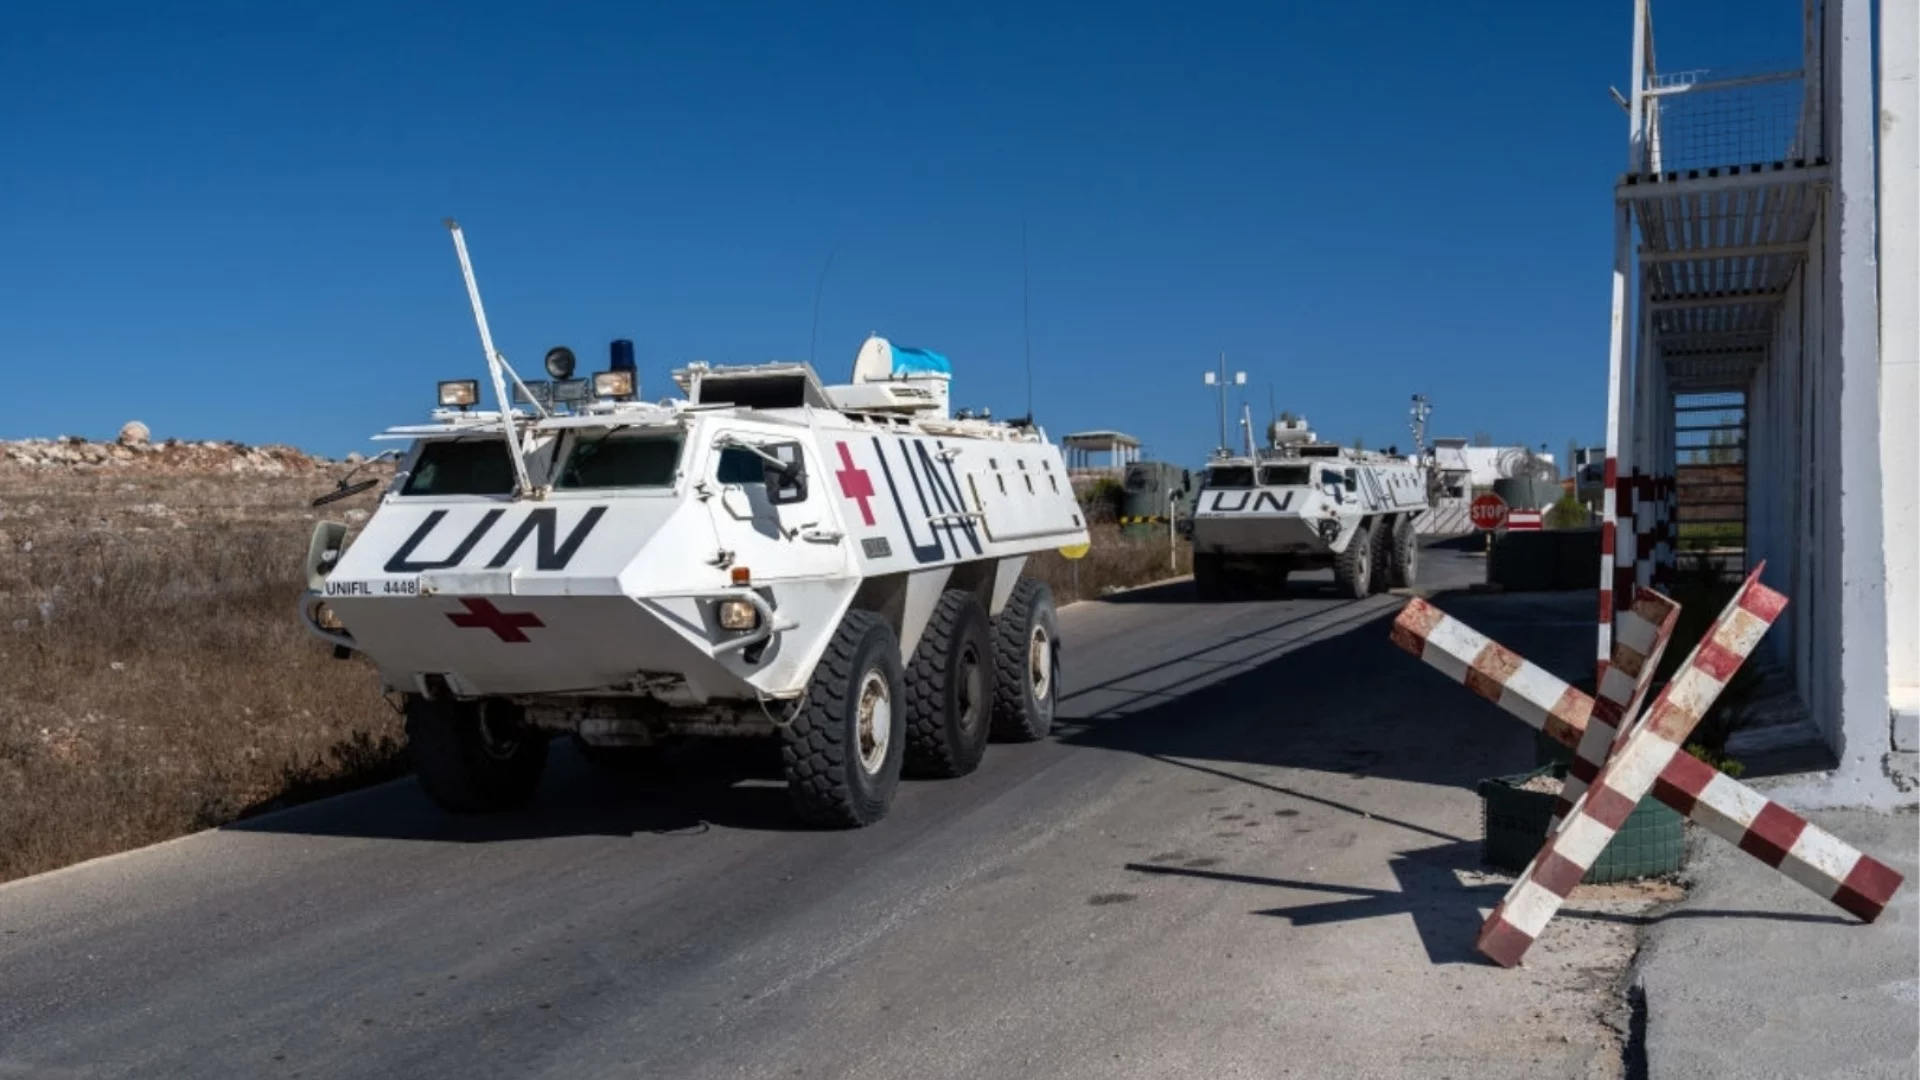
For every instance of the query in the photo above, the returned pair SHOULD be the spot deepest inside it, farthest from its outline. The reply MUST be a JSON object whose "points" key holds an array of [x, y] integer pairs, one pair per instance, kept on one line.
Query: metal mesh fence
{"points": [[1754, 123]]}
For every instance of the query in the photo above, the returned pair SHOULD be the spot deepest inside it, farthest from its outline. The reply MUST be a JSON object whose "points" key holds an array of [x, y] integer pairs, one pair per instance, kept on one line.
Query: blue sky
{"points": [[224, 219]]}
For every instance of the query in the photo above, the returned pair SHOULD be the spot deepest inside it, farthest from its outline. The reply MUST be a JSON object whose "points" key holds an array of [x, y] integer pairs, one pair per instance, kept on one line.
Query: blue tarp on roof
{"points": [[910, 361]]}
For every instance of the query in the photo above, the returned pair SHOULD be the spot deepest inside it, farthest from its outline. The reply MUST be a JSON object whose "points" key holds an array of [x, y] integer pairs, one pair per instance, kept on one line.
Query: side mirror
{"points": [[787, 481]]}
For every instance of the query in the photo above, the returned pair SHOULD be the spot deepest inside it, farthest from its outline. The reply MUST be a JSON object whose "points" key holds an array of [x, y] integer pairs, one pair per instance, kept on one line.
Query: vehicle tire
{"points": [[474, 757], [842, 753], [1381, 562], [1207, 576], [1353, 568], [1406, 554], [949, 701], [1026, 664]]}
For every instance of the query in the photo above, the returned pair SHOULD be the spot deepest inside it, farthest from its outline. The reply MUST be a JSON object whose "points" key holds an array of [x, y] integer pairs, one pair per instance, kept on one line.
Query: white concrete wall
{"points": [[1845, 650], [1776, 454], [1899, 161]]}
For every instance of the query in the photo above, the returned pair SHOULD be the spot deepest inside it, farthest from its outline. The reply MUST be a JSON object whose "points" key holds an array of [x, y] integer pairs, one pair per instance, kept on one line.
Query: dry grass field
{"points": [[154, 679]]}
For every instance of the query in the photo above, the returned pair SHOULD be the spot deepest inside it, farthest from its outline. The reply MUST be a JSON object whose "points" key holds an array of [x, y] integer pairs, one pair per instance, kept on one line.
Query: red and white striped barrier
{"points": [[1493, 671], [1857, 883], [1524, 520], [1640, 637], [1652, 741]]}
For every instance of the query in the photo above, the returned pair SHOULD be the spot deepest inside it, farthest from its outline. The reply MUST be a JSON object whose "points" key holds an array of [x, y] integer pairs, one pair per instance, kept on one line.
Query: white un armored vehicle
{"points": [[1302, 504], [835, 566]]}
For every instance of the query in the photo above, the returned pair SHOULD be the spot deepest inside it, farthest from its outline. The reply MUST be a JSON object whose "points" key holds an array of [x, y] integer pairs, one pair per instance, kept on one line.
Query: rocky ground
{"points": [[136, 449]]}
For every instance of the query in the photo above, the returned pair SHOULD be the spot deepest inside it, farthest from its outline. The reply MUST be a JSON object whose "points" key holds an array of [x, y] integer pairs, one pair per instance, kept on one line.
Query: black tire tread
{"points": [[1406, 554], [1380, 568], [1346, 566], [1011, 723], [814, 752], [931, 749], [443, 743]]}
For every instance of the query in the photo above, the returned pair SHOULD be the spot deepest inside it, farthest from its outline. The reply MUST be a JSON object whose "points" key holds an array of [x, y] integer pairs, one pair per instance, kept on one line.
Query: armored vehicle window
{"points": [[621, 460], [461, 467], [1286, 475], [740, 466], [1136, 480], [1230, 476]]}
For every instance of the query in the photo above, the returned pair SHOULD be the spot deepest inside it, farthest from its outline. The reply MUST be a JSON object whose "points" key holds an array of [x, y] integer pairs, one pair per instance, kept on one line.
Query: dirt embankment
{"points": [[153, 679]]}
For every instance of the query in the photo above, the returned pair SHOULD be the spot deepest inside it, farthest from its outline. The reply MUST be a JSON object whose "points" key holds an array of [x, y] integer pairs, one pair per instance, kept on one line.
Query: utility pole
{"points": [[1239, 379]]}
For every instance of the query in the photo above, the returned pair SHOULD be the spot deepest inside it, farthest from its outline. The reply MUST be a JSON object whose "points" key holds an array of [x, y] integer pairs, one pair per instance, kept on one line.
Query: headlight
{"points": [[460, 393], [738, 615], [613, 384], [327, 619]]}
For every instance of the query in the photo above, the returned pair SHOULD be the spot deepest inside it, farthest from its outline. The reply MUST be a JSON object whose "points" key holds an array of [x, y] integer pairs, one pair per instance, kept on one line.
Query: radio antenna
{"points": [[1026, 318], [814, 343], [496, 363]]}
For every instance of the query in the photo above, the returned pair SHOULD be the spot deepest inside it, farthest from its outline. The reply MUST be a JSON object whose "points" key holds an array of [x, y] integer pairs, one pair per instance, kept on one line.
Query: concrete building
{"points": [[1765, 262]]}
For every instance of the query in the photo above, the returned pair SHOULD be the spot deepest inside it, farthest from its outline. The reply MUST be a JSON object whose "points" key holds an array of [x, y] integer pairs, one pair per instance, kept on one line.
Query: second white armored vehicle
{"points": [[1301, 504], [837, 567]]}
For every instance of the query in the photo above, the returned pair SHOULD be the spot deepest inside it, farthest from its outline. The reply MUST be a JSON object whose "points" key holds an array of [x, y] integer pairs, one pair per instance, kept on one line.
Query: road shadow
{"points": [[1322, 687], [1315, 586], [699, 786], [1447, 912]]}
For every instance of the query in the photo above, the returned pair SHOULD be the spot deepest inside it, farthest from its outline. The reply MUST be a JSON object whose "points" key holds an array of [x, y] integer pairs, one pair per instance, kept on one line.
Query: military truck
{"points": [[838, 567], [1301, 504]]}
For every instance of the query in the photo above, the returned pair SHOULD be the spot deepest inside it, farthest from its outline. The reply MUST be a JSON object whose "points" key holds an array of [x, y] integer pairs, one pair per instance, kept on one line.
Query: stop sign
{"points": [[1489, 511]]}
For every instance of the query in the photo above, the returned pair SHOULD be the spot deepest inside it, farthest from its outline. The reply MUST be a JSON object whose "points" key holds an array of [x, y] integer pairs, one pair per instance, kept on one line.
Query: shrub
{"points": [[1568, 513]]}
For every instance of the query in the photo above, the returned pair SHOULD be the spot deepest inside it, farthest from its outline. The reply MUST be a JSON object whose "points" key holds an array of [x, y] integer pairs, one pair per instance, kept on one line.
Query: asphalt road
{"points": [[1247, 851]]}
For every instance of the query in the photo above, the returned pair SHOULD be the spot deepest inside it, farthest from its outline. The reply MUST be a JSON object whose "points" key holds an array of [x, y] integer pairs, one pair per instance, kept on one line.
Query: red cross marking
{"points": [[855, 484], [482, 615]]}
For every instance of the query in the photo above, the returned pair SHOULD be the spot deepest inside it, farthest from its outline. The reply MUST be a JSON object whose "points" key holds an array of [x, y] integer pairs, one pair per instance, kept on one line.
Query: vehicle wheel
{"points": [[950, 690], [1353, 568], [1026, 664], [474, 757], [842, 753], [1381, 561], [1406, 554], [1207, 576]]}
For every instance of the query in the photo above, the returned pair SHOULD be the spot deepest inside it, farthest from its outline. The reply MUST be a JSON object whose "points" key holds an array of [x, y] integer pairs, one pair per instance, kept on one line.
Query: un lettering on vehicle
{"points": [[1261, 500], [542, 524], [928, 497]]}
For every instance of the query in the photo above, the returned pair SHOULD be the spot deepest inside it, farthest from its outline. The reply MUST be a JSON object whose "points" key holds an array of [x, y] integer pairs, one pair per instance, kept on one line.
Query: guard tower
{"points": [[1751, 408], [1082, 448]]}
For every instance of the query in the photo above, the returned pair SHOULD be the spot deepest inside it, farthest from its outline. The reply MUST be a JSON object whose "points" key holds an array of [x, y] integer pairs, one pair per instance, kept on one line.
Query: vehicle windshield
{"points": [[462, 467], [621, 459], [1286, 475], [1230, 476]]}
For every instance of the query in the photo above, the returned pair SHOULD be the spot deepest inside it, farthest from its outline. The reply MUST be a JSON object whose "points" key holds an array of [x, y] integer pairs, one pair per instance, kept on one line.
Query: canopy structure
{"points": [[1082, 448]]}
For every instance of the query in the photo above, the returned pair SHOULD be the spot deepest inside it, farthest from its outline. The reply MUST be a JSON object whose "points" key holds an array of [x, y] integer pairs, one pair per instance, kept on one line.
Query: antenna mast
{"points": [[1419, 412], [1026, 318], [1239, 379], [813, 343], [495, 363]]}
